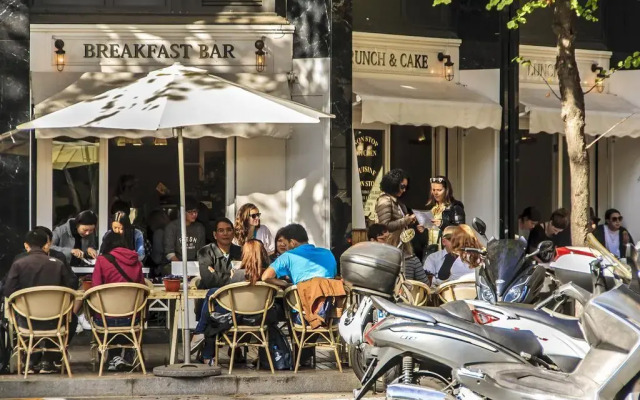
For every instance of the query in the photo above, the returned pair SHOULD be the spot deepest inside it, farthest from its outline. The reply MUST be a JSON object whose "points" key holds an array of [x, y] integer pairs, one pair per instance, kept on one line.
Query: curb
{"points": [[149, 385]]}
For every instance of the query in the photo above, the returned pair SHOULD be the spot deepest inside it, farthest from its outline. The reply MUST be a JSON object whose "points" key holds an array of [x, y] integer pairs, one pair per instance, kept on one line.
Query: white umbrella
{"points": [[175, 97]]}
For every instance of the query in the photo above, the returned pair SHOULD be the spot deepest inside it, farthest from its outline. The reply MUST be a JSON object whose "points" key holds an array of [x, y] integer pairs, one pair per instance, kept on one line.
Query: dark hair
{"points": [[86, 217], [36, 238], [295, 232], [376, 230], [391, 181], [448, 192], [610, 212], [221, 220], [128, 230], [120, 206], [560, 218], [46, 230], [592, 215], [112, 241], [530, 213], [190, 204]]}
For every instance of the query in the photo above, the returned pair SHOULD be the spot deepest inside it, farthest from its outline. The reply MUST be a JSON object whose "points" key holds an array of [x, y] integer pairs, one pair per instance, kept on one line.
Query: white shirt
{"points": [[264, 235], [612, 241], [434, 262]]}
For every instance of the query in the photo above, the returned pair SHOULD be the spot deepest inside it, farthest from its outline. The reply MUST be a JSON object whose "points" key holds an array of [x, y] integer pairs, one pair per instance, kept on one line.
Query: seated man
{"points": [[378, 233], [302, 262], [38, 268], [443, 265]]}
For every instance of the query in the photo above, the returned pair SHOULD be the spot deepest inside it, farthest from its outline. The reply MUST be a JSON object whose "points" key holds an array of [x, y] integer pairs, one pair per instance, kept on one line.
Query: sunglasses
{"points": [[255, 216], [403, 186], [437, 180], [616, 219]]}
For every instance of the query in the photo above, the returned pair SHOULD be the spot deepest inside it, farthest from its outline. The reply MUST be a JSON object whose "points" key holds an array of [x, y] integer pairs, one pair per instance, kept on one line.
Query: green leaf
{"points": [[627, 62]]}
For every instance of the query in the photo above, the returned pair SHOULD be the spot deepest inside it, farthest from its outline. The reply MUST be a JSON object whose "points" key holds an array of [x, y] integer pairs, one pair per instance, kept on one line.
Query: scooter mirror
{"points": [[479, 226], [546, 250]]}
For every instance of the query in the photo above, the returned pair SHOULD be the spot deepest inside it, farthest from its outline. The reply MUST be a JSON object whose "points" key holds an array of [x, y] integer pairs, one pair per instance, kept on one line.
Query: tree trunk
{"points": [[573, 117]]}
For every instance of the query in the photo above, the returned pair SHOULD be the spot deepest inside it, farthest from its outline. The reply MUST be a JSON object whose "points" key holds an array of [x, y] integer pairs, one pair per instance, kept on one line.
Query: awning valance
{"points": [[602, 110], [91, 84], [402, 102]]}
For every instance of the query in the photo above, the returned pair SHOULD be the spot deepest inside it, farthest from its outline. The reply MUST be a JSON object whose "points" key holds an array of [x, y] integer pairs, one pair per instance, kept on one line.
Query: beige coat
{"points": [[393, 214]]}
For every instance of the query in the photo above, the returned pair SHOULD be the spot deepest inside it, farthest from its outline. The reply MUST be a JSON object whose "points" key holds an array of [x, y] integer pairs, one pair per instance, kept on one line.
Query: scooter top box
{"points": [[372, 265]]}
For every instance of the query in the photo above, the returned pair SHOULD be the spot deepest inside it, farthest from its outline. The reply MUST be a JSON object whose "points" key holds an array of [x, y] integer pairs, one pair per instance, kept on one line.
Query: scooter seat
{"points": [[516, 341], [568, 326]]}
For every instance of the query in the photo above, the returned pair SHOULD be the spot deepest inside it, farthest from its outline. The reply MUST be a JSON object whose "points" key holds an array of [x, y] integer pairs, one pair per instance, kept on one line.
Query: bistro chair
{"points": [[415, 293], [244, 299], [41, 315], [459, 289], [125, 301], [303, 335]]}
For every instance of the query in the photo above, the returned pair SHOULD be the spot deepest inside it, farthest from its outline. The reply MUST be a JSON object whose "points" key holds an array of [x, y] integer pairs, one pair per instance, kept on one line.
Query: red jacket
{"points": [[105, 272]]}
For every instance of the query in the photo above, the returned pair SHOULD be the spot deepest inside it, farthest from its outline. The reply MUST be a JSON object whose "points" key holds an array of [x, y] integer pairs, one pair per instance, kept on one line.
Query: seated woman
{"points": [[254, 261], [133, 237], [281, 245], [452, 263], [117, 264], [76, 238], [248, 226]]}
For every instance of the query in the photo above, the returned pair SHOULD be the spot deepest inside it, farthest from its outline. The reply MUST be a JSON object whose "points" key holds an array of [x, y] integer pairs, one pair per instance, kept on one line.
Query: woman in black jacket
{"points": [[445, 208]]}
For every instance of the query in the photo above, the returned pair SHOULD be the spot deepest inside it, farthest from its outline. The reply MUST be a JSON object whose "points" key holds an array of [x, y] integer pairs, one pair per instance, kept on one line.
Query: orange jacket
{"points": [[314, 292]]}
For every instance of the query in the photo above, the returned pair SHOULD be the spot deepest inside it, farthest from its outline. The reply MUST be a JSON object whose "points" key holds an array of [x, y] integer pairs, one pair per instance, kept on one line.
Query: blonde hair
{"points": [[254, 260], [462, 237], [241, 226]]}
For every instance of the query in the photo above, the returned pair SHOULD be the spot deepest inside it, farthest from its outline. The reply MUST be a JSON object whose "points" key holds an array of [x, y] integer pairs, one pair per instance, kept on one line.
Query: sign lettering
{"points": [[370, 155], [402, 60], [158, 51]]}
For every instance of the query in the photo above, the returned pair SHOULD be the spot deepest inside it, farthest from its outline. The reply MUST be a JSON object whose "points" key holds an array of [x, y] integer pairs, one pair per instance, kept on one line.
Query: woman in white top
{"points": [[247, 226]]}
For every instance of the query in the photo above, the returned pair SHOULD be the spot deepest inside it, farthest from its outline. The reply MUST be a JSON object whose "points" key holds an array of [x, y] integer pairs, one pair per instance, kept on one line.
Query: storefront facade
{"points": [[412, 111], [260, 164]]}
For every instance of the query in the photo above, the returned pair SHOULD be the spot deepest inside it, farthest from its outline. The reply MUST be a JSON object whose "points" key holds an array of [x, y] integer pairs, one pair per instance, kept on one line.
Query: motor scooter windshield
{"points": [[505, 258]]}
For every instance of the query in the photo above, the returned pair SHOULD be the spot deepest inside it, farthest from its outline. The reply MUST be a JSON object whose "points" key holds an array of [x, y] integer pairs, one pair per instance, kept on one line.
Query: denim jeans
{"points": [[204, 313]]}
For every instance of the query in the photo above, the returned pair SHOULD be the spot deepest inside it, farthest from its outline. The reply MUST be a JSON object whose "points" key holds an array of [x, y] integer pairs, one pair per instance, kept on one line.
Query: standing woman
{"points": [[392, 213], [445, 208], [76, 238], [248, 226]]}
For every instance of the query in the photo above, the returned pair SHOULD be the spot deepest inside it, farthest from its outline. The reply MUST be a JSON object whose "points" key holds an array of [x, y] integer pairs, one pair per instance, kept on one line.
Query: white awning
{"points": [[402, 102], [602, 111], [91, 84]]}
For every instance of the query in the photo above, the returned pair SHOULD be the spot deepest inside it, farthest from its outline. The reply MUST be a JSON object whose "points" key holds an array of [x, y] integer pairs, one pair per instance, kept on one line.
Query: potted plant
{"points": [[172, 283]]}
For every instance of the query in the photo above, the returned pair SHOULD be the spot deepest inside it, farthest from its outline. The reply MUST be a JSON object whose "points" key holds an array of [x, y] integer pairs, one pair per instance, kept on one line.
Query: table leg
{"points": [[177, 305]]}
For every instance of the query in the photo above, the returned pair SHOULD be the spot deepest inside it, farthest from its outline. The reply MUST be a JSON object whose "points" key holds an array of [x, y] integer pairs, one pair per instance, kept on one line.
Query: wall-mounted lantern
{"points": [[600, 77], [448, 66], [261, 56], [60, 61]]}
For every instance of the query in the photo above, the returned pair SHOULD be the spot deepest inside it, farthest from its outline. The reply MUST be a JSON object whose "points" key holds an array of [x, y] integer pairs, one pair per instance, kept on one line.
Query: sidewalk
{"points": [[245, 380]]}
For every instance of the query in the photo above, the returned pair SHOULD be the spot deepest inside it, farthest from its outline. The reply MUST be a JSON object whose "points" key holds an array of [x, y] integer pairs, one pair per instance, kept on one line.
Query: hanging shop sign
{"points": [[370, 155]]}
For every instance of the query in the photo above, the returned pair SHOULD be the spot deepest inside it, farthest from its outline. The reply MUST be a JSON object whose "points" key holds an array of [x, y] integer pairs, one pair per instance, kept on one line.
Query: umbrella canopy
{"points": [[176, 96]]}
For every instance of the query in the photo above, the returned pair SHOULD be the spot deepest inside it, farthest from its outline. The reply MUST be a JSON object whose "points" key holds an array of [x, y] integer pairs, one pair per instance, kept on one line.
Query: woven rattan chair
{"points": [[240, 299], [306, 337], [30, 310], [419, 293], [117, 300], [459, 289]]}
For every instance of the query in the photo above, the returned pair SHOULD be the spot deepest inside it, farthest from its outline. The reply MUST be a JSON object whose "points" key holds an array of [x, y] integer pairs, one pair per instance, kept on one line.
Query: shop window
{"points": [[75, 177], [411, 148], [534, 179]]}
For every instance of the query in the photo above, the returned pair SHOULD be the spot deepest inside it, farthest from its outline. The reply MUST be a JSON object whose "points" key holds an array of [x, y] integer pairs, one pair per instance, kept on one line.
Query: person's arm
{"points": [[170, 242], [384, 209], [96, 277], [268, 242], [139, 242], [430, 264], [11, 282], [269, 276], [535, 237], [56, 244]]}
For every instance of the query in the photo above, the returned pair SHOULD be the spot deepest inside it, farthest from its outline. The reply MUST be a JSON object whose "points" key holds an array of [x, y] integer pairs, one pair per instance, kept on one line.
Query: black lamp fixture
{"points": [[261, 56], [448, 66], [60, 62], [600, 77]]}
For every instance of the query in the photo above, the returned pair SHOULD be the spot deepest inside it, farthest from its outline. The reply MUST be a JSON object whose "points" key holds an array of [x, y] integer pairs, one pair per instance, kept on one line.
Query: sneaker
{"points": [[196, 341], [47, 368], [118, 363], [82, 321], [79, 328]]}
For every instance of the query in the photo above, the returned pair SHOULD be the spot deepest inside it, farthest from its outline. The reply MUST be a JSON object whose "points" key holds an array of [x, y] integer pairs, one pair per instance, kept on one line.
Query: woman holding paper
{"points": [[393, 214], [446, 210]]}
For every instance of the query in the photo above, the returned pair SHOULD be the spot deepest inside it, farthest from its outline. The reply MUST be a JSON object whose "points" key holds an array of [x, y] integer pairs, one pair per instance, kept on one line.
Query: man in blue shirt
{"points": [[302, 261]]}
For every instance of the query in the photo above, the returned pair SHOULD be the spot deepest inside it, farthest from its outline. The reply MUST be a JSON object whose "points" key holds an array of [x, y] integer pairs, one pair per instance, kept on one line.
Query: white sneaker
{"points": [[82, 321], [79, 328], [196, 340]]}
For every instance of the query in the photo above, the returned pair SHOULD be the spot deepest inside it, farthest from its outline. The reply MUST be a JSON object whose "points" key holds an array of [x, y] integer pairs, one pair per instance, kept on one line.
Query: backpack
{"points": [[278, 348]]}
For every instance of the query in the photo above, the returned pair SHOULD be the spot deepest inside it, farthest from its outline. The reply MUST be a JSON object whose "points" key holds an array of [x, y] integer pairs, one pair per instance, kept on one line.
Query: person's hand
{"points": [[437, 222], [92, 252], [625, 238], [410, 219], [174, 258], [77, 253], [420, 228]]}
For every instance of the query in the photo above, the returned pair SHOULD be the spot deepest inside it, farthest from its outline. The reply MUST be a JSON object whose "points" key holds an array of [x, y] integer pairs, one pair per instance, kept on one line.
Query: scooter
{"points": [[611, 322]]}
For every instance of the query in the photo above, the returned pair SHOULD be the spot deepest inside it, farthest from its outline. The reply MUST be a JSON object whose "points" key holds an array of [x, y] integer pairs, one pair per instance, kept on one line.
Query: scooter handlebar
{"points": [[569, 290]]}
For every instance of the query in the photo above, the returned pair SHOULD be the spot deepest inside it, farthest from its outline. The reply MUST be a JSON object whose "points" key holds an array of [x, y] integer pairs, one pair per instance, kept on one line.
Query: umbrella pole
{"points": [[183, 239]]}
